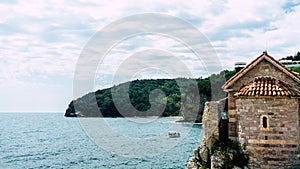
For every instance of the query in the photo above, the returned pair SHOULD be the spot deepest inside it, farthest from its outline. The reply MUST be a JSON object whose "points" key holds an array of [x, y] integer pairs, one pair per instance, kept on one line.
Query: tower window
{"points": [[265, 122]]}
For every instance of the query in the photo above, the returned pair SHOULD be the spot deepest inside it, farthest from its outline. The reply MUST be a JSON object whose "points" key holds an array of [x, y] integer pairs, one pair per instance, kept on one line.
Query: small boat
{"points": [[173, 134]]}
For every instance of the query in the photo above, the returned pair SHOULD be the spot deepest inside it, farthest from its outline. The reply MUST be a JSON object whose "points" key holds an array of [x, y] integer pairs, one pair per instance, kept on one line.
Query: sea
{"points": [[50, 140]]}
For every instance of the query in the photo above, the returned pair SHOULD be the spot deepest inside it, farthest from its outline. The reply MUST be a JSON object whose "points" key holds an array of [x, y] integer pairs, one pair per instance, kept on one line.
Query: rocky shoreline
{"points": [[215, 154]]}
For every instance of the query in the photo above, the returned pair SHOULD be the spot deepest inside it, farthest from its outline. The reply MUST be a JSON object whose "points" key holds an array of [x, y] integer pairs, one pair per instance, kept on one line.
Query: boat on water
{"points": [[173, 134]]}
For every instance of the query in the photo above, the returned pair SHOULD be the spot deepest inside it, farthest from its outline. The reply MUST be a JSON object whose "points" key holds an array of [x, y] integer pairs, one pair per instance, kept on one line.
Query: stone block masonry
{"points": [[277, 142], [210, 120]]}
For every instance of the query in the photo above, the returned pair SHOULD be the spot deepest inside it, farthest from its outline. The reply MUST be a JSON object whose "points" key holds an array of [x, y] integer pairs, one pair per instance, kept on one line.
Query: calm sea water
{"points": [[49, 140]]}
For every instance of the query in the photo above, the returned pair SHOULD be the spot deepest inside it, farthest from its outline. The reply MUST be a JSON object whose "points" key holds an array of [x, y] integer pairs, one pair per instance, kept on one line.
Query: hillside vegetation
{"points": [[295, 69], [139, 90], [296, 57]]}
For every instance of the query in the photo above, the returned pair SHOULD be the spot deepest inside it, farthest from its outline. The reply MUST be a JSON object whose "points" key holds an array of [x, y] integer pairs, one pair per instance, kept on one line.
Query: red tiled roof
{"points": [[267, 86], [273, 61]]}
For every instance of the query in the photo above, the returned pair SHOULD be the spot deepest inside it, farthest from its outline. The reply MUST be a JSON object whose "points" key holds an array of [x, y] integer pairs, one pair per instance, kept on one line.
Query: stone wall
{"points": [[210, 120], [264, 68], [202, 155], [274, 144], [232, 114]]}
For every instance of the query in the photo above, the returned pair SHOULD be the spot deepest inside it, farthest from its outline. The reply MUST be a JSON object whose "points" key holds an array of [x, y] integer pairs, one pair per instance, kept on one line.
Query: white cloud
{"points": [[41, 41]]}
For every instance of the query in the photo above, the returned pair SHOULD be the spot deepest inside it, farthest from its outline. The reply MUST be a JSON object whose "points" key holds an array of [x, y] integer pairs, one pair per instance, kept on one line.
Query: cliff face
{"points": [[190, 108]]}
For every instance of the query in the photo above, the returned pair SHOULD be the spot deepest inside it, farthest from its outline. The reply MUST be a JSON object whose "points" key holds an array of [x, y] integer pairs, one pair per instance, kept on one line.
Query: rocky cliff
{"points": [[213, 153]]}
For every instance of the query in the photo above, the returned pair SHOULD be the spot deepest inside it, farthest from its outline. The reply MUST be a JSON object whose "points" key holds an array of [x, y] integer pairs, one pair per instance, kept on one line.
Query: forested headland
{"points": [[92, 103]]}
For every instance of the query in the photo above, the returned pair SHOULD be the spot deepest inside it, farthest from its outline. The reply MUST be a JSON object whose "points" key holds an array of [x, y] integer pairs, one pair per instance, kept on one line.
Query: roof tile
{"points": [[267, 86]]}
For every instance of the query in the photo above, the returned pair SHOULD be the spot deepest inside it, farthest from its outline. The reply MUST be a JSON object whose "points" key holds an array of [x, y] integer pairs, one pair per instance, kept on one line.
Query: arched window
{"points": [[265, 122]]}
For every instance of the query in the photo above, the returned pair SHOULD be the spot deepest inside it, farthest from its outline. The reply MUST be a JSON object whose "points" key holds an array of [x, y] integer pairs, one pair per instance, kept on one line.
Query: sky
{"points": [[42, 41]]}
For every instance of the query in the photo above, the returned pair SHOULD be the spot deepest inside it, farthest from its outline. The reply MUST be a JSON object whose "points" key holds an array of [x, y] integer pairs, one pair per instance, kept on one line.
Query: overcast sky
{"points": [[41, 41]]}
